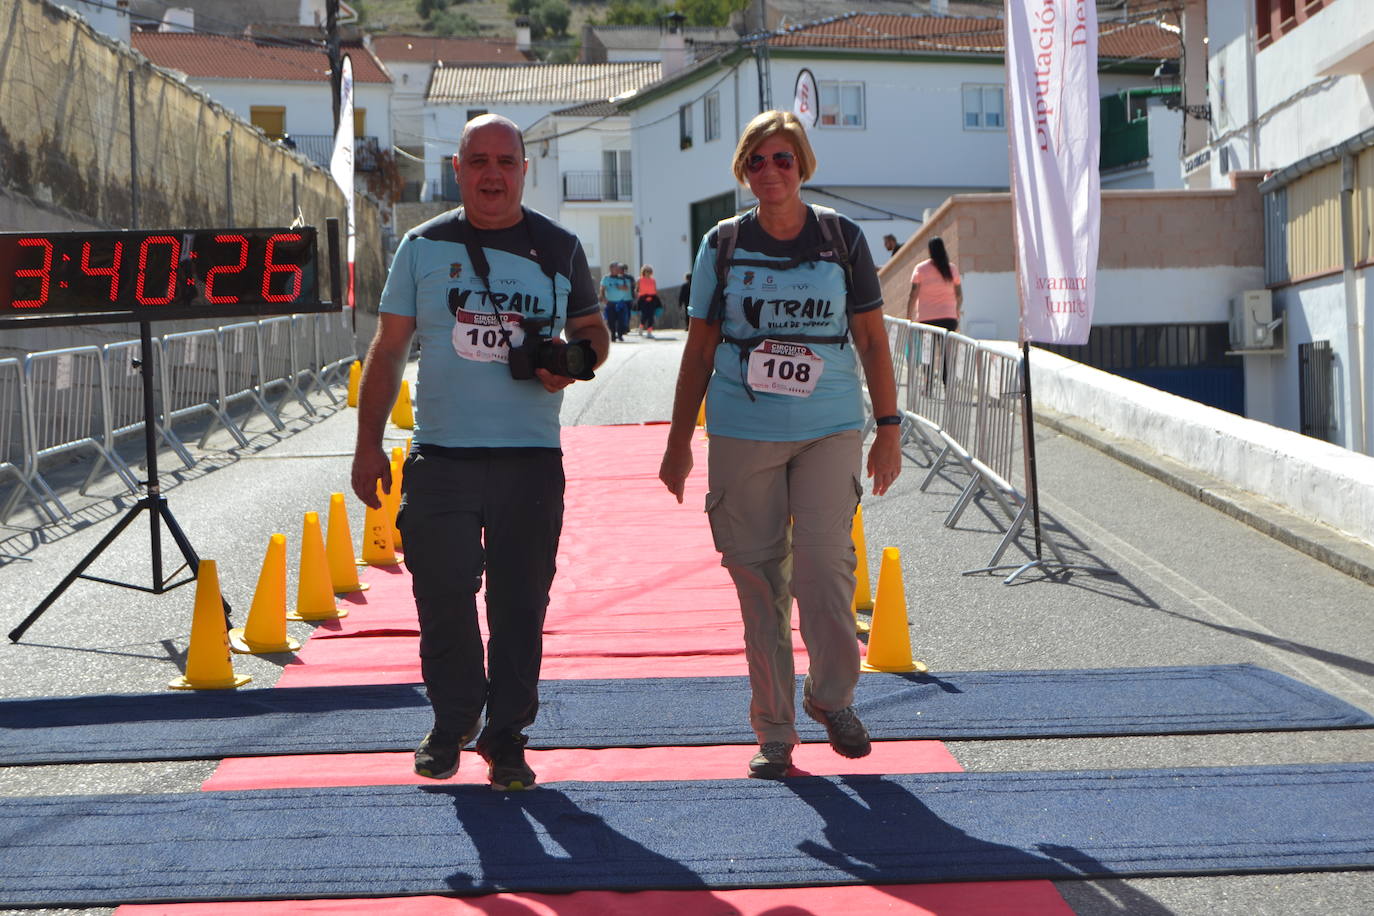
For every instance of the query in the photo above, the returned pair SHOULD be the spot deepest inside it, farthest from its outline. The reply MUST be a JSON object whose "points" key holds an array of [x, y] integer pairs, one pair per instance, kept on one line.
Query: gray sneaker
{"points": [[847, 734], [437, 755], [772, 761]]}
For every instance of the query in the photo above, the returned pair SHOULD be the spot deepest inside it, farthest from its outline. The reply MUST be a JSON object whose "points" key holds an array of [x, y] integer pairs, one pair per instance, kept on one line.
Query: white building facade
{"points": [[1289, 94], [899, 132]]}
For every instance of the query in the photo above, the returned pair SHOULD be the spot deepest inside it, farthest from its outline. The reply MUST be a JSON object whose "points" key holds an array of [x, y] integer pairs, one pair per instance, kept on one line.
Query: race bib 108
{"points": [[784, 368]]}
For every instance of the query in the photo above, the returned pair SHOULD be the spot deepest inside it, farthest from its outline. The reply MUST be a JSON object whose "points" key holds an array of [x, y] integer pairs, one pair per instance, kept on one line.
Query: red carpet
{"points": [[639, 593]]}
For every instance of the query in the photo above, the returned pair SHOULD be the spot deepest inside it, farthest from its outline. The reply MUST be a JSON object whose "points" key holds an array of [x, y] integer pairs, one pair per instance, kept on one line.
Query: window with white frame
{"points": [[983, 107], [842, 103], [684, 126], [712, 117]]}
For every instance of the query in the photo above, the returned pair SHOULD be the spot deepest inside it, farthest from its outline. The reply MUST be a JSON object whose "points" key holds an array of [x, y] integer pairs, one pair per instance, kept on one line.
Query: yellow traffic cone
{"points": [[265, 630], [314, 593], [401, 413], [378, 548], [208, 666], [889, 645], [863, 596], [701, 413], [338, 546], [355, 376], [397, 469]]}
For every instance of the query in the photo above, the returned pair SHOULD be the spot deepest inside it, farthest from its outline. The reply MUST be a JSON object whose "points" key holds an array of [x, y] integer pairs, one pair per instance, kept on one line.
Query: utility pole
{"points": [[331, 39]]}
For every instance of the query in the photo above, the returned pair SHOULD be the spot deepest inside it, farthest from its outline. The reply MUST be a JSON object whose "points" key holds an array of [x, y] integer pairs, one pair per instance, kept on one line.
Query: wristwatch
{"points": [[890, 420]]}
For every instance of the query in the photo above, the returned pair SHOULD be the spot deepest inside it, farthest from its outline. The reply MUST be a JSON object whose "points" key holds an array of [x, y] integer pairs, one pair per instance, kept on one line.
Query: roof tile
{"points": [[562, 84], [225, 57]]}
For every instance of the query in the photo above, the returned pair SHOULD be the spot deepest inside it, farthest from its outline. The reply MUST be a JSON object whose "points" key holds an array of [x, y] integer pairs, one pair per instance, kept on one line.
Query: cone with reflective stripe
{"points": [[401, 413], [398, 461], [265, 630], [338, 547], [378, 548], [863, 596], [208, 665], [355, 376], [889, 642], [314, 592]]}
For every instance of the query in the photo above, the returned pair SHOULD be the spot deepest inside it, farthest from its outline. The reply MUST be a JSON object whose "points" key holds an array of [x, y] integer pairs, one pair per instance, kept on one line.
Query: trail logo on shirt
{"points": [[813, 310], [455, 270], [748, 278]]}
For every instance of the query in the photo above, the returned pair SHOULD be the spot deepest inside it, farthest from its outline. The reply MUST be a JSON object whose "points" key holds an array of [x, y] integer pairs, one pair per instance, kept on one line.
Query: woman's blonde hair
{"points": [[646, 271], [766, 125]]}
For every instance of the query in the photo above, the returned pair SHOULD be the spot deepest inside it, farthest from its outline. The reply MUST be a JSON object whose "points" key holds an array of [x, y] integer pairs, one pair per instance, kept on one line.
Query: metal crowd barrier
{"points": [[57, 402], [963, 408]]}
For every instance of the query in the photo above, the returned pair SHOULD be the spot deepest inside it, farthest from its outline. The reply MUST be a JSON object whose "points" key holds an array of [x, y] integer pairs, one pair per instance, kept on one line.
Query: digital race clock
{"points": [[160, 273]]}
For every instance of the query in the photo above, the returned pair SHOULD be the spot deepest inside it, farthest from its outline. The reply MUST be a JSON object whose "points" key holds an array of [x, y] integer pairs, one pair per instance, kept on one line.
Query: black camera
{"points": [[574, 359]]}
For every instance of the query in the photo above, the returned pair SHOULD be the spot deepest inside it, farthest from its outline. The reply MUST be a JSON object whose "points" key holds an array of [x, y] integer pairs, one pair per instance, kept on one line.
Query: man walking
{"points": [[617, 292], [483, 486]]}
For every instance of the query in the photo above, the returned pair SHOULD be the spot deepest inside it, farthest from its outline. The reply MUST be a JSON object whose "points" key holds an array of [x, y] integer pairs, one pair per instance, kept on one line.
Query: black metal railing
{"points": [[1316, 390], [597, 186]]}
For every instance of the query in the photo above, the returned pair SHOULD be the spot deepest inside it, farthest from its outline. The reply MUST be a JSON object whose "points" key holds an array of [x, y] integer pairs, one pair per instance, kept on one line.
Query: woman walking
{"points": [[774, 342], [646, 298], [937, 293]]}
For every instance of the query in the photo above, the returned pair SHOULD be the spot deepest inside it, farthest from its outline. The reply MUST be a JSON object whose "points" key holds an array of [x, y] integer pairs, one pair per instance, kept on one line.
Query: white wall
{"points": [[1315, 479], [309, 109], [410, 80], [1136, 296], [104, 17], [1328, 115]]}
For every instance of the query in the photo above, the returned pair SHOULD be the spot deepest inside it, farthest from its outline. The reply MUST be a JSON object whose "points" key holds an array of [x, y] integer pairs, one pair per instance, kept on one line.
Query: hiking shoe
{"points": [[506, 767], [847, 734], [437, 755], [772, 761]]}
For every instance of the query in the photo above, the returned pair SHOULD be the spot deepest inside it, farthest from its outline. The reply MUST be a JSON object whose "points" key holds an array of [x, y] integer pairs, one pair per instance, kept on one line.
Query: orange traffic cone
{"points": [[314, 593], [338, 547], [378, 549], [398, 461], [863, 596], [355, 377], [889, 644], [401, 413], [208, 666], [265, 630]]}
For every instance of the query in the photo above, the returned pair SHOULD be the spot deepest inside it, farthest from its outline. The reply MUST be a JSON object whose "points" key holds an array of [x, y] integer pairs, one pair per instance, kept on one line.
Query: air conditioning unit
{"points": [[1253, 325]]}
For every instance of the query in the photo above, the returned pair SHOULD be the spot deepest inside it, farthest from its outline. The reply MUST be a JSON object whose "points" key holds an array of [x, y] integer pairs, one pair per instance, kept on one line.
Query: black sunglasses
{"points": [[782, 160]]}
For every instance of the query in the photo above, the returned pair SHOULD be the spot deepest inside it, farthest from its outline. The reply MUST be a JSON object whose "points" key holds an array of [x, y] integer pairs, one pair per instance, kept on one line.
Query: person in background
{"points": [[937, 295], [890, 244], [482, 492], [784, 413], [617, 292], [646, 297]]}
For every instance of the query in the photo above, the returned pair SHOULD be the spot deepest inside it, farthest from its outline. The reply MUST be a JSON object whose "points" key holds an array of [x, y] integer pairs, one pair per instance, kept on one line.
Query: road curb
{"points": [[1349, 555]]}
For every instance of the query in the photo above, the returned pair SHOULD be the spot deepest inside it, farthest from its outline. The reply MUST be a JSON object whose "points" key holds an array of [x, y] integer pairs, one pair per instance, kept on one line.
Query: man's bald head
{"points": [[490, 120]]}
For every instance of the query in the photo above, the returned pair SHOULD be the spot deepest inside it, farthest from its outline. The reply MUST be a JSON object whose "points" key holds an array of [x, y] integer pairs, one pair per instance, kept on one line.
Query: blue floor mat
{"points": [[408, 840], [678, 711]]}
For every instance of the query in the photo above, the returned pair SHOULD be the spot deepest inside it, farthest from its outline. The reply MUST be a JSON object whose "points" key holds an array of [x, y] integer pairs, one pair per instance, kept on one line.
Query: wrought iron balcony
{"points": [[596, 186]]}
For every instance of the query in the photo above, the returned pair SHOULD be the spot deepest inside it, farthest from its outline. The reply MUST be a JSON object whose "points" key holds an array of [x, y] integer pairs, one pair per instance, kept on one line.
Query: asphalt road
{"points": [[1195, 587]]}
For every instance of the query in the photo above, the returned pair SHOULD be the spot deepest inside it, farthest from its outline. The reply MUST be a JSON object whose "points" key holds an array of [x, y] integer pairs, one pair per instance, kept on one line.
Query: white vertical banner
{"points": [[341, 162], [805, 102], [1052, 101]]}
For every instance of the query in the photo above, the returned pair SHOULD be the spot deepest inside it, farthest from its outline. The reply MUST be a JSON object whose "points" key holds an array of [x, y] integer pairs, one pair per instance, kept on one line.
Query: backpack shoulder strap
{"points": [[727, 233], [833, 233]]}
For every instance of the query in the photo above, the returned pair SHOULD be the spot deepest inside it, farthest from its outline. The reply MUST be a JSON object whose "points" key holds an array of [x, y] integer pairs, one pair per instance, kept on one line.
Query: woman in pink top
{"points": [[937, 296], [648, 301]]}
